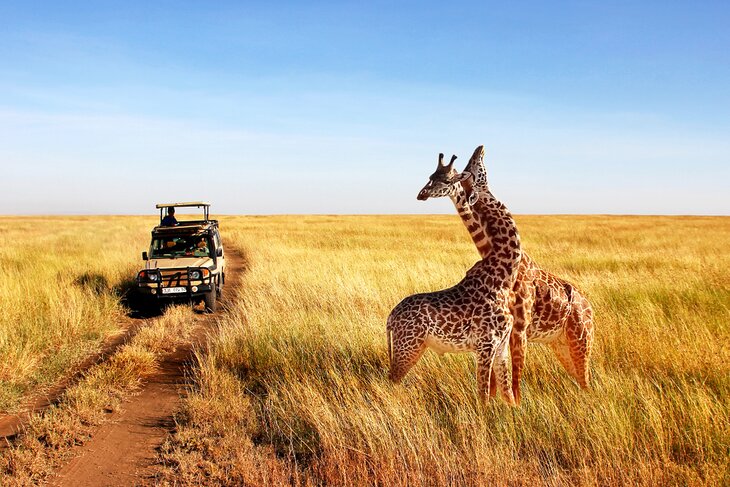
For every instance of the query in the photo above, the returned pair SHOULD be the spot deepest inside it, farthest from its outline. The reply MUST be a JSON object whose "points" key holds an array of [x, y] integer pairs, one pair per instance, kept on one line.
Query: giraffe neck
{"points": [[472, 221], [506, 250]]}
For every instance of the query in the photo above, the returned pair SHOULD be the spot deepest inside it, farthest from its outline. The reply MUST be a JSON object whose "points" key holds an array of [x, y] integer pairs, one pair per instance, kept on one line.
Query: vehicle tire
{"points": [[146, 306], [210, 300], [154, 306]]}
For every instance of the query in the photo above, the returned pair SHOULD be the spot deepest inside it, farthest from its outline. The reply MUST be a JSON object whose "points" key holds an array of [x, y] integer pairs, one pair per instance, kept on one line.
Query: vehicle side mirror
{"points": [[144, 256], [219, 252]]}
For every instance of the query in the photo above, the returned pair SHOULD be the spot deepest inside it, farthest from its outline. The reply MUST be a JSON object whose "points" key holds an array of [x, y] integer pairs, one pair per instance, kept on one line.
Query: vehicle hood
{"points": [[180, 262]]}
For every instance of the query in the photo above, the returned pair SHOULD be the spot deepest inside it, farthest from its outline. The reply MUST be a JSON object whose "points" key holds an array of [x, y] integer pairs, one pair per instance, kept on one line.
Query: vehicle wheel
{"points": [[146, 306], [210, 300]]}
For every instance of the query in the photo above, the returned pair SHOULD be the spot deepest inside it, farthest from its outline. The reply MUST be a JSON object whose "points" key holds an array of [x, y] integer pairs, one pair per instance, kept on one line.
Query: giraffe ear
{"points": [[463, 176], [473, 198]]}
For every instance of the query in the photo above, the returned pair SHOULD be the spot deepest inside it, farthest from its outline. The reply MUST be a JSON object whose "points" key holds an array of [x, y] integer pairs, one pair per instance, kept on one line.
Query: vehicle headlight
{"points": [[194, 274], [153, 277]]}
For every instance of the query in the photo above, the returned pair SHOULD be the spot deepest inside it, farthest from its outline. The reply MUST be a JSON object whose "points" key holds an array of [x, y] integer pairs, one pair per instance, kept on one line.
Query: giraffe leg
{"points": [[590, 334], [579, 337], [485, 361], [493, 355], [406, 350], [562, 351], [503, 371], [517, 346], [522, 313]]}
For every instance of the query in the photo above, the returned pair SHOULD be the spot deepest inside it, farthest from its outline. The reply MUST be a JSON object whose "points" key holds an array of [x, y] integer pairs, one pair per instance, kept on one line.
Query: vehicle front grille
{"points": [[174, 277]]}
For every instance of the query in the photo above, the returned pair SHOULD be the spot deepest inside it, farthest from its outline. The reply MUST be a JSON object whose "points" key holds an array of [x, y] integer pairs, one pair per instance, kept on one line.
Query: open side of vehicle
{"points": [[184, 260]]}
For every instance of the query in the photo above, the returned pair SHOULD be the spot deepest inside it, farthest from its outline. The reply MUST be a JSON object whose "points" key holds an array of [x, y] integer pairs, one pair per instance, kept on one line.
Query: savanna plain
{"points": [[292, 386]]}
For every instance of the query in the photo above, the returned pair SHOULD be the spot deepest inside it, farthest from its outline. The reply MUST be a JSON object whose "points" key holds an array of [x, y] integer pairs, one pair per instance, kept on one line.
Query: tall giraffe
{"points": [[473, 315], [546, 308]]}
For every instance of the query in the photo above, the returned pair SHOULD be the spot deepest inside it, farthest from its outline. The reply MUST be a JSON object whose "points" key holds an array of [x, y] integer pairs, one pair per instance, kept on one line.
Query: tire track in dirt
{"points": [[123, 451], [12, 424]]}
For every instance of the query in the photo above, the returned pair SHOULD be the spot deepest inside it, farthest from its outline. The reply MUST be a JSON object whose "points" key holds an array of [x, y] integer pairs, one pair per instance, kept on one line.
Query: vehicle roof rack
{"points": [[187, 204], [191, 204]]}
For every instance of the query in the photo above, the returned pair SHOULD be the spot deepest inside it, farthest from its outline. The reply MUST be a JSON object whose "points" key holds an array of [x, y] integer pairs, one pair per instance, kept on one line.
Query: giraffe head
{"points": [[475, 175], [442, 182]]}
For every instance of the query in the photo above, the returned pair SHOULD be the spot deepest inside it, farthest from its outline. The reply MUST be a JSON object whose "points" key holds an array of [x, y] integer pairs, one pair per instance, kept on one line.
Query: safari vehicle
{"points": [[185, 260]]}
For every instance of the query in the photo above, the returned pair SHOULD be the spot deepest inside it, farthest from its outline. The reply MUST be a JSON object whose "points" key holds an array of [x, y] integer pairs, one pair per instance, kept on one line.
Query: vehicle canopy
{"points": [[188, 204]]}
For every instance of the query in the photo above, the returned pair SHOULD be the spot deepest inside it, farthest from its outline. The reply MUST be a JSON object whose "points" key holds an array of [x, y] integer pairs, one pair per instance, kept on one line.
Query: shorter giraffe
{"points": [[473, 315], [546, 308]]}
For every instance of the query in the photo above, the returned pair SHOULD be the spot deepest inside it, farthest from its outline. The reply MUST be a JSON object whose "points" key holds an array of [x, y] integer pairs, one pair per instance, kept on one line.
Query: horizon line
{"points": [[156, 215]]}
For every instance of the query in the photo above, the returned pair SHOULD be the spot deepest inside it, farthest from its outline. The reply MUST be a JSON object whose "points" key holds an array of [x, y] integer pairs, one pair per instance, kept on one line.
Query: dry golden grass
{"points": [[62, 279], [294, 388]]}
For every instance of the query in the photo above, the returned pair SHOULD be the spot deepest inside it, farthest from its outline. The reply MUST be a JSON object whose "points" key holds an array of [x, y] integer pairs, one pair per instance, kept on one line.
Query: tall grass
{"points": [[293, 387], [61, 280]]}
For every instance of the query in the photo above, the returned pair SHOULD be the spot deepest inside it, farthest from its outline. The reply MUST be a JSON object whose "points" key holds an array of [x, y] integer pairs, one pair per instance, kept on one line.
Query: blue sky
{"points": [[342, 107]]}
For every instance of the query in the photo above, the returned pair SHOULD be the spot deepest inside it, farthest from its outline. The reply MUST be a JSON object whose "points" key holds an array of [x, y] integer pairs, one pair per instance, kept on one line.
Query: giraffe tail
{"points": [[569, 291]]}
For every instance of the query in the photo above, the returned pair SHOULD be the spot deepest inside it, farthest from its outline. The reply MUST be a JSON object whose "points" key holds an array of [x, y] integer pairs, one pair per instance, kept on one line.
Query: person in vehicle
{"points": [[169, 220], [199, 248]]}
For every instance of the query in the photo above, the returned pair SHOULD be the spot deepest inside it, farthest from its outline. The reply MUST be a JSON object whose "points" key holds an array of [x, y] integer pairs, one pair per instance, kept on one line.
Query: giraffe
{"points": [[546, 308], [472, 316]]}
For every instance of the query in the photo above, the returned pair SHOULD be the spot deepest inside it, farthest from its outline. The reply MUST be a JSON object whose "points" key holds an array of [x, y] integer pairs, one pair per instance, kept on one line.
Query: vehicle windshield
{"points": [[180, 246]]}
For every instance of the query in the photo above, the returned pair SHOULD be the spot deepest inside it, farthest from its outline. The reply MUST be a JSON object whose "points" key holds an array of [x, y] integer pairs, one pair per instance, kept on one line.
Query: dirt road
{"points": [[11, 424], [123, 451]]}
